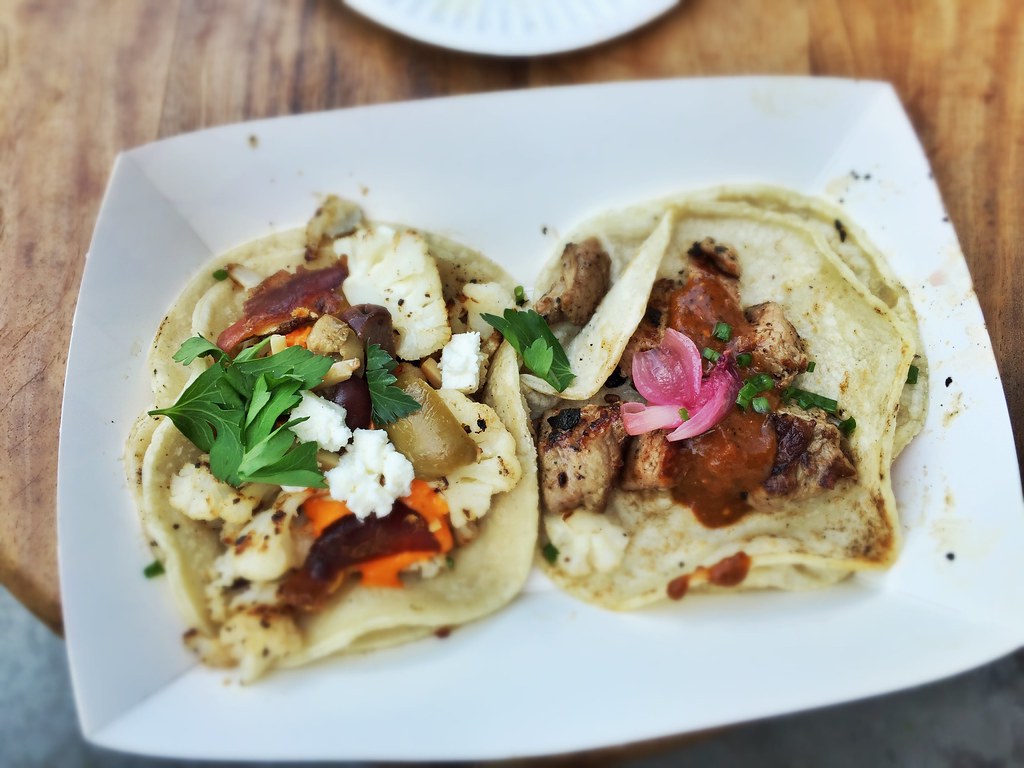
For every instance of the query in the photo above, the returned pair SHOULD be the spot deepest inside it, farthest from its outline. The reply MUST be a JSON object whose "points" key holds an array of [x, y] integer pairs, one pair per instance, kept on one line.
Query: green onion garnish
{"points": [[912, 374], [808, 400], [710, 354], [722, 332], [684, 414], [761, 405], [520, 295], [744, 360], [220, 274], [810, 367], [154, 569], [753, 387], [449, 561], [846, 426], [550, 552]]}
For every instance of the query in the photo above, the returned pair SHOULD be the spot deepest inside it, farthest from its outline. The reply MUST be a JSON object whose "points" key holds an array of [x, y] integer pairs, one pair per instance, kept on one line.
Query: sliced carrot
{"points": [[297, 338], [433, 508], [383, 572], [322, 511]]}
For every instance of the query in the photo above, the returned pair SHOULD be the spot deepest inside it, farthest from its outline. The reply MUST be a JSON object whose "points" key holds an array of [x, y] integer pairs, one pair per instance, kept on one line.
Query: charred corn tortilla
{"points": [[485, 574], [863, 350]]}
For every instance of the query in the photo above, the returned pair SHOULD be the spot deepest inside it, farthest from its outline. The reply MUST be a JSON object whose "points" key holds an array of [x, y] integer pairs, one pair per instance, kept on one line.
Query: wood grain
{"points": [[81, 80]]}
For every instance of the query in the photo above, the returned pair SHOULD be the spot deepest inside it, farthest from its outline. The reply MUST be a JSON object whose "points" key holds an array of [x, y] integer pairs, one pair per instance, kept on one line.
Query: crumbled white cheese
{"points": [[197, 494], [397, 271], [370, 475], [324, 424], [468, 490], [586, 542], [460, 363]]}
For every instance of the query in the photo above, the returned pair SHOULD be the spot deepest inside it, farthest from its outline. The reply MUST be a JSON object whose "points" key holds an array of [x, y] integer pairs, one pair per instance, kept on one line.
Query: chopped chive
{"points": [[220, 274], [808, 400], [154, 569], [761, 405], [754, 386], [684, 414], [550, 552], [744, 360], [912, 374], [710, 354], [846, 426], [520, 295], [449, 561], [810, 367], [722, 332]]}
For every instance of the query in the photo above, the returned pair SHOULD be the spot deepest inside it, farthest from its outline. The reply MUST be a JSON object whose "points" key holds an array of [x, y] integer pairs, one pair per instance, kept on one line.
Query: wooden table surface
{"points": [[80, 81]]}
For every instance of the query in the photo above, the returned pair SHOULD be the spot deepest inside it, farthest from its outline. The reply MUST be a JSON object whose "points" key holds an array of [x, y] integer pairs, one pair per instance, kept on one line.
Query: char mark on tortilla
{"points": [[583, 280], [580, 457]]}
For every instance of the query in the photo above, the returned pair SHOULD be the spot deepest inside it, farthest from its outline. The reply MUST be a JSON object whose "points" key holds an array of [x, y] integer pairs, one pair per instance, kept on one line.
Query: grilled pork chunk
{"points": [[583, 282], [721, 257], [776, 346], [809, 456], [650, 462], [580, 455]]}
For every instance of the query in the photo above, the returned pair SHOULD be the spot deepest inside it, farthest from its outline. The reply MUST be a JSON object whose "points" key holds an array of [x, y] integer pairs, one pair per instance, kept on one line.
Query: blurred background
{"points": [[81, 80]]}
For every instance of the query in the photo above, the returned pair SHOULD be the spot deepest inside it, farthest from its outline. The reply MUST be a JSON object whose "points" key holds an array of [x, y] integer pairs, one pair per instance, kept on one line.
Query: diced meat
{"points": [[284, 301], [580, 455], [583, 282], [349, 542], [649, 332], [721, 257], [650, 462], [809, 454], [774, 343]]}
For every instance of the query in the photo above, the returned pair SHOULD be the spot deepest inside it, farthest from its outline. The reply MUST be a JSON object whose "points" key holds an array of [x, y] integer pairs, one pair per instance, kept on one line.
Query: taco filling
{"points": [[744, 435], [345, 438]]}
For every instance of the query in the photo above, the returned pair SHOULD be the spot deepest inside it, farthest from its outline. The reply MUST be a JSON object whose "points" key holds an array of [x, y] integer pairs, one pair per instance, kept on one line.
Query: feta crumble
{"points": [[586, 542], [324, 425], [460, 363], [371, 475]]}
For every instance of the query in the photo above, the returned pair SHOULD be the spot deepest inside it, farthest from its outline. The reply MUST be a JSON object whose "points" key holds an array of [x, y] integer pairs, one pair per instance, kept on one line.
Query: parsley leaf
{"points": [[234, 411], [530, 336], [389, 403]]}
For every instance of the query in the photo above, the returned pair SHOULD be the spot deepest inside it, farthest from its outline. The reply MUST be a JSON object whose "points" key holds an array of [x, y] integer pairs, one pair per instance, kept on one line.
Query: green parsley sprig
{"points": [[388, 402], [233, 411], [530, 336]]}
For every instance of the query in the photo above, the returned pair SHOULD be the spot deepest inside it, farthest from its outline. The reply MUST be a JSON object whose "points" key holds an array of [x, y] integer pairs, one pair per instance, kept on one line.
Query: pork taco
{"points": [[744, 436], [339, 458]]}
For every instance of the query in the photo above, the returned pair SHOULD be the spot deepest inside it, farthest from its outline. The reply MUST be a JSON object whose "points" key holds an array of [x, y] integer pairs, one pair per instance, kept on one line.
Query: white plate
{"points": [[548, 674], [512, 27]]}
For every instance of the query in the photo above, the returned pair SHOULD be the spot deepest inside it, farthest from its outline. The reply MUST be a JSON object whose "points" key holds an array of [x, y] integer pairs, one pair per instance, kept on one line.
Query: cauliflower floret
{"points": [[476, 299], [197, 494], [265, 548], [370, 475], [396, 270], [461, 362], [586, 541], [324, 424], [253, 641], [468, 489]]}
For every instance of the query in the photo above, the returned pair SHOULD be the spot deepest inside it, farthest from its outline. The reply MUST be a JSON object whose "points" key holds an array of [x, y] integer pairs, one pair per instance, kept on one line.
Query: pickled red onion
{"points": [[669, 377]]}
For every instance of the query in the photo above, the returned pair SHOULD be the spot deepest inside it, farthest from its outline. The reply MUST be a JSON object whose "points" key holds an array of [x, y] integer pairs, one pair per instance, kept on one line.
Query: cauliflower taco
{"points": [[740, 432], [339, 457]]}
